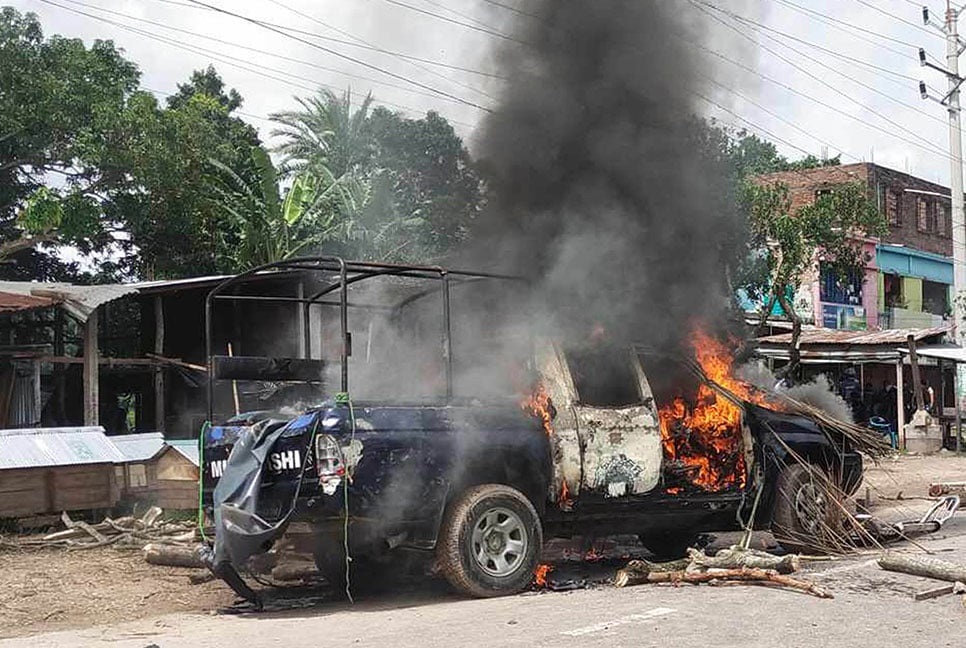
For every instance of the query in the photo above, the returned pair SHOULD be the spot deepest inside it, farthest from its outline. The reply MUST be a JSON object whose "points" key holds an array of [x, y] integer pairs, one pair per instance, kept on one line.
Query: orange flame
{"points": [[540, 575], [538, 404], [706, 438]]}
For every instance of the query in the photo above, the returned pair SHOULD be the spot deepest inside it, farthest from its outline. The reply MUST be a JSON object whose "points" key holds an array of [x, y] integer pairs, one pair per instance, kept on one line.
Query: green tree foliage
{"points": [[785, 243], [414, 186], [58, 99], [262, 227]]}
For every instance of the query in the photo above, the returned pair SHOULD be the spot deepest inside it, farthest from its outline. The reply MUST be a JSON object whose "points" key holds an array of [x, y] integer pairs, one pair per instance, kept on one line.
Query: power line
{"points": [[935, 148], [513, 9], [804, 95], [333, 52], [254, 49], [340, 41], [377, 48], [232, 61], [821, 63], [483, 30], [831, 19], [827, 50], [893, 16]]}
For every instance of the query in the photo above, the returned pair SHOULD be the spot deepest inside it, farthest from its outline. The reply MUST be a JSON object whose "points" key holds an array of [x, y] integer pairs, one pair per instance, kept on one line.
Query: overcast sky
{"points": [[868, 113]]}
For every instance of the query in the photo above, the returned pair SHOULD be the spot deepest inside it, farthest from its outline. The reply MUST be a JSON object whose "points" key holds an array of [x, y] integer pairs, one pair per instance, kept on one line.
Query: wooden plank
{"points": [[91, 355], [159, 371]]}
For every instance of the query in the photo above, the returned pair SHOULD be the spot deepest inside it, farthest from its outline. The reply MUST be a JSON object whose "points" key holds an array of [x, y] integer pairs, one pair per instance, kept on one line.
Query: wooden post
{"points": [[301, 313], [916, 381], [159, 371], [59, 371], [37, 398], [90, 371], [900, 405]]}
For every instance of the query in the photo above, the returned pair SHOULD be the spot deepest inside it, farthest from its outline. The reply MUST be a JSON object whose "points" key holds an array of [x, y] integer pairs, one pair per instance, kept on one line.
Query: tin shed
{"points": [[48, 470]]}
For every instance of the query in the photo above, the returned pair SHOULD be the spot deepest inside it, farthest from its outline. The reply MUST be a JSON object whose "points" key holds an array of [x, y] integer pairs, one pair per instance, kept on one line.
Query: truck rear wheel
{"points": [[808, 515], [490, 541]]}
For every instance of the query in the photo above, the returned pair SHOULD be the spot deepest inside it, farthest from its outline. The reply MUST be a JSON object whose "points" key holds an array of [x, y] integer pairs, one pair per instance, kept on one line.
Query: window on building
{"points": [[893, 214], [922, 215], [892, 291], [942, 220], [836, 288], [935, 297], [932, 216]]}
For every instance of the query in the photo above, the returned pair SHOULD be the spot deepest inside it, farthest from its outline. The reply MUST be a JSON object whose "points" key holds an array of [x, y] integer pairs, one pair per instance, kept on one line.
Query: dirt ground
{"points": [[53, 589], [45, 590]]}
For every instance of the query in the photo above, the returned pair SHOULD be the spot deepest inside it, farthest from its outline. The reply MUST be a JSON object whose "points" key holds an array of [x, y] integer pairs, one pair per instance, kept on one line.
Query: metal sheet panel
{"points": [[139, 447], [44, 447], [187, 447]]}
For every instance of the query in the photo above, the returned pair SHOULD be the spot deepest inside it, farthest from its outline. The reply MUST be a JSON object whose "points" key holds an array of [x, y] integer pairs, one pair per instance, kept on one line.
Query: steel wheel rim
{"points": [[810, 506], [499, 542]]}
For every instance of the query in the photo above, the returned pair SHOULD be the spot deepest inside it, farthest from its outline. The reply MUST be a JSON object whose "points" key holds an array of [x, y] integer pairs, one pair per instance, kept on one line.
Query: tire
{"points": [[807, 517], [669, 545], [490, 541]]}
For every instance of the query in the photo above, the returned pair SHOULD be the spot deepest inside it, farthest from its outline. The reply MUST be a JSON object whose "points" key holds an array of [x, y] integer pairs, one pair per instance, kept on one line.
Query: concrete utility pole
{"points": [[954, 47]]}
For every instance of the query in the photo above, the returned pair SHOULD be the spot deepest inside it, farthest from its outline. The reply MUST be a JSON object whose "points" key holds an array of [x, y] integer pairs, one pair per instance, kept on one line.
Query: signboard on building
{"points": [[838, 316]]}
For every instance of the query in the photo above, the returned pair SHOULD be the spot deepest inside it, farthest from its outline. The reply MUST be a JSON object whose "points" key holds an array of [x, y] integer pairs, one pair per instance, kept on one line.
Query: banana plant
{"points": [[262, 227]]}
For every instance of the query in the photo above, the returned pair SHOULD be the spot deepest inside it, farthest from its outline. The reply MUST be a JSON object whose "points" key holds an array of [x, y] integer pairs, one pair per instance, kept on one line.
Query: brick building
{"points": [[908, 278]]}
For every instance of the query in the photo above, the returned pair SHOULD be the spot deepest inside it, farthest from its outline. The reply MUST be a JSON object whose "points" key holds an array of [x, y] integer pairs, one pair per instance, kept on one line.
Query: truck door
{"points": [[616, 421]]}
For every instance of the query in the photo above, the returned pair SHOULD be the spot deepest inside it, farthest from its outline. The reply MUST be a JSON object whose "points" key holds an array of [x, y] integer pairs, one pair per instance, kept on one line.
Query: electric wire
{"points": [[515, 10], [925, 144], [829, 51], [234, 61], [832, 19], [257, 51], [893, 16], [331, 39], [483, 30], [333, 52], [829, 67], [375, 47]]}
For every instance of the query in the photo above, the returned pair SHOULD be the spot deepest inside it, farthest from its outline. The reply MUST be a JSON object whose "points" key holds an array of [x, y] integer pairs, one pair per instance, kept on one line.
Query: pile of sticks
{"points": [[128, 531], [733, 566]]}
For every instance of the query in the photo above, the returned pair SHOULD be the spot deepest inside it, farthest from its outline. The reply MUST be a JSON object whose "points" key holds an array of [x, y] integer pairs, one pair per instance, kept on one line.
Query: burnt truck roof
{"points": [[336, 275]]}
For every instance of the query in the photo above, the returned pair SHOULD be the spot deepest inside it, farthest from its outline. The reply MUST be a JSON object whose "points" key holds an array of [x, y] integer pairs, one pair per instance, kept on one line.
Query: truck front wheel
{"points": [[490, 541], [808, 515]]}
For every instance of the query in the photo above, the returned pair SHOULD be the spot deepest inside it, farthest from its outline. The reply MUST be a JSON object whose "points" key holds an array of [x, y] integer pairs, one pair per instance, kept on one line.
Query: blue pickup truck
{"points": [[478, 484]]}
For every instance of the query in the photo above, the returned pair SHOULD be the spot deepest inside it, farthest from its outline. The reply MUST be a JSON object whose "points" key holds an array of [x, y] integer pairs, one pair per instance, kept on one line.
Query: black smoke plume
{"points": [[603, 185]]}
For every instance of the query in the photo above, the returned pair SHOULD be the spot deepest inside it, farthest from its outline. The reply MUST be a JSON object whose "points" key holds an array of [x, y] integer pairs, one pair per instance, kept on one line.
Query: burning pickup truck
{"points": [[476, 483]]}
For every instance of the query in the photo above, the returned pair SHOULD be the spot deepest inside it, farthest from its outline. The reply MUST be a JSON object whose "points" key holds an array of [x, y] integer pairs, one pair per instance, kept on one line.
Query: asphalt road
{"points": [[871, 608]]}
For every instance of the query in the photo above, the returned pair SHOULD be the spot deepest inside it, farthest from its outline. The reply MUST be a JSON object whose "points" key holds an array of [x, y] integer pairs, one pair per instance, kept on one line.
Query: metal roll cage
{"points": [[349, 272]]}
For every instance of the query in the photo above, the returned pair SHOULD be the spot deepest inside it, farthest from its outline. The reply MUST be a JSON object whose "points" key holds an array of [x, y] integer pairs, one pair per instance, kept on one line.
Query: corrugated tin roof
{"points": [[45, 447], [79, 301], [13, 302], [139, 447], [939, 352], [839, 337], [187, 447]]}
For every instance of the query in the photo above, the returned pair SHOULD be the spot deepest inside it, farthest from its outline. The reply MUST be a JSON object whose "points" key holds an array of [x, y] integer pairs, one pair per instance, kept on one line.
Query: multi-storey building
{"points": [[907, 280]]}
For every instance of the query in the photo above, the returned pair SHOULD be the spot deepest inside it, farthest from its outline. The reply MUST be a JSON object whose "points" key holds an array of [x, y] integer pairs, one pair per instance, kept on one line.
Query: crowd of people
{"points": [[869, 401]]}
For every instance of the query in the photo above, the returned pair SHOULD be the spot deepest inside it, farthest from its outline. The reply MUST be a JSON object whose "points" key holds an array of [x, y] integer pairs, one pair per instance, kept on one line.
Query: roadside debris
{"points": [[924, 566], [931, 522], [128, 531], [946, 488], [734, 565], [936, 592]]}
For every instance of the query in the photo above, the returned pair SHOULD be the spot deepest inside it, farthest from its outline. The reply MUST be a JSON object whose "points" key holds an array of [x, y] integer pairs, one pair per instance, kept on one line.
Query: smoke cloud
{"points": [[601, 187]]}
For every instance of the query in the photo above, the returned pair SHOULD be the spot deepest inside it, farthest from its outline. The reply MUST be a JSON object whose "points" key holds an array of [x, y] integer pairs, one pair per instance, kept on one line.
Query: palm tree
{"points": [[326, 132]]}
